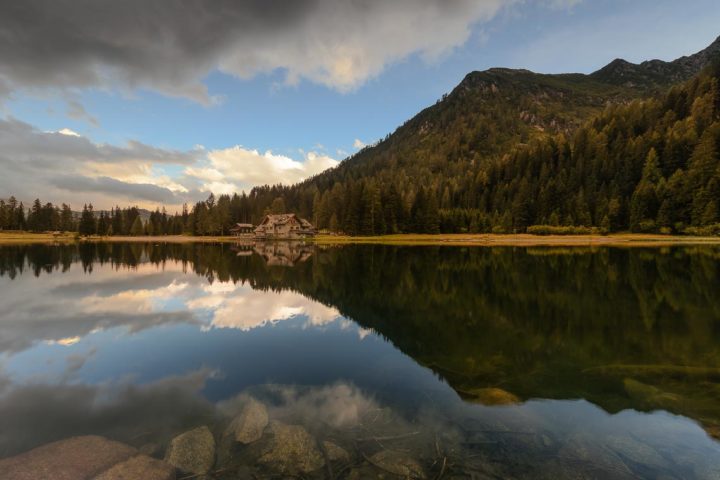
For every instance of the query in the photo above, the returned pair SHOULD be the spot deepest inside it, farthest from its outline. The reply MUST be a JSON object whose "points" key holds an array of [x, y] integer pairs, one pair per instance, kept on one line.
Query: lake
{"points": [[422, 362]]}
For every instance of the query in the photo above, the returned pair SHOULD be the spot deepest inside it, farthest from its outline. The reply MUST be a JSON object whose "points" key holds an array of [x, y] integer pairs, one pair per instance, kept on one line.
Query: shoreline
{"points": [[455, 239]]}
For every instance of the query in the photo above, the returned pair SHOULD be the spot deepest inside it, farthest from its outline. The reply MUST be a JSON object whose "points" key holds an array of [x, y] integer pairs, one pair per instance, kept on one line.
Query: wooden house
{"points": [[286, 225], [242, 229]]}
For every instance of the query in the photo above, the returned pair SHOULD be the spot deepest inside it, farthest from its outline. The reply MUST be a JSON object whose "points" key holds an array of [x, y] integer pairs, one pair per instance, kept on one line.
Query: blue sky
{"points": [[286, 102]]}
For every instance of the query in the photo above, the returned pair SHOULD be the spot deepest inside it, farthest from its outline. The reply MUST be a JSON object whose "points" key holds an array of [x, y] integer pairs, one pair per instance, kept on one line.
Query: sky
{"points": [[158, 103]]}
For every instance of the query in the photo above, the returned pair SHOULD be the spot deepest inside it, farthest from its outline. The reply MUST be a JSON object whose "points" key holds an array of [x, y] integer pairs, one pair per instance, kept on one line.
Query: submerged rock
{"points": [[248, 425], [192, 451], [584, 449], [492, 396], [559, 469], [150, 449], [398, 464], [291, 449], [650, 396], [706, 472], [139, 467], [84, 458], [335, 453], [636, 452]]}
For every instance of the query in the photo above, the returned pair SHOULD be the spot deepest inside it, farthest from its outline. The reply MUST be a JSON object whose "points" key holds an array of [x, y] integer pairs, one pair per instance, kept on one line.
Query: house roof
{"points": [[277, 220], [280, 219]]}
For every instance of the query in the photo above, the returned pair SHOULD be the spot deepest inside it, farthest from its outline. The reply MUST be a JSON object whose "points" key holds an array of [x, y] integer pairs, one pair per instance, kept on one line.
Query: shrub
{"points": [[706, 231], [562, 230]]}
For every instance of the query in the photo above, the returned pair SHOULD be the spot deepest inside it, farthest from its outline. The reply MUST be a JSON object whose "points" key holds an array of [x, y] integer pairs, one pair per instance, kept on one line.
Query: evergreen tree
{"points": [[67, 222], [137, 229], [87, 224]]}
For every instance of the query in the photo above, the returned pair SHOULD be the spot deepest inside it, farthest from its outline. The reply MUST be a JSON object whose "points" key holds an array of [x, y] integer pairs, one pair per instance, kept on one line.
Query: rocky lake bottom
{"points": [[338, 433]]}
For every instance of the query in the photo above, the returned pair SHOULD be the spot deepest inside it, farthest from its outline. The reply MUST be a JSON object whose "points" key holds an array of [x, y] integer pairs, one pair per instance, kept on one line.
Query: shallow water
{"points": [[468, 362]]}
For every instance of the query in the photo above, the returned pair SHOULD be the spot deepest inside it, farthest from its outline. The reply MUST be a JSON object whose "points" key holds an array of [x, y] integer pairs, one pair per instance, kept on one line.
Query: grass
{"points": [[14, 237], [10, 238], [622, 239]]}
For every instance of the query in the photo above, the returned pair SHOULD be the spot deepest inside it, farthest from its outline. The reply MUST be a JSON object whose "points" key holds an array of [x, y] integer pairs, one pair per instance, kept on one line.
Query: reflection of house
{"points": [[242, 229], [243, 249], [285, 254], [286, 225]]}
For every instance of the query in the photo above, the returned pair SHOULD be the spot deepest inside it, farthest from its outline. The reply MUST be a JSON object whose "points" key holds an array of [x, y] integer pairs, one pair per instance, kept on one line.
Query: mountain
{"points": [[657, 72], [509, 149], [533, 103]]}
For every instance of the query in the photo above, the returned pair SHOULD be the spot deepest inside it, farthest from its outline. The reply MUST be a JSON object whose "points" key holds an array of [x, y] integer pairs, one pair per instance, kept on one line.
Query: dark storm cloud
{"points": [[113, 286], [113, 187], [22, 142], [76, 361], [50, 326], [64, 309], [65, 167], [76, 111], [171, 46]]}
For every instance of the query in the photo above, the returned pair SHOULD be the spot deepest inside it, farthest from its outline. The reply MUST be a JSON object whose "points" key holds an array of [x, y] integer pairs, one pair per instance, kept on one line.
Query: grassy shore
{"points": [[626, 239], [9, 238]]}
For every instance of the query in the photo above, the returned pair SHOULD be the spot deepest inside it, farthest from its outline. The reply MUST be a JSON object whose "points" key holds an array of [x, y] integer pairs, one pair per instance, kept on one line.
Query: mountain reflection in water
{"points": [[462, 362]]}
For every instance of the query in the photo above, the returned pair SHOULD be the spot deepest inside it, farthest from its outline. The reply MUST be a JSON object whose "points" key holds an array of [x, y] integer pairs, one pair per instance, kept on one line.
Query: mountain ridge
{"points": [[593, 91], [657, 72]]}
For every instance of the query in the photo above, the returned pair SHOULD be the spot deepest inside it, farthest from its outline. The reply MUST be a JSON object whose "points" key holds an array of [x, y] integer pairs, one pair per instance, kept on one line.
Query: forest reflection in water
{"points": [[503, 362]]}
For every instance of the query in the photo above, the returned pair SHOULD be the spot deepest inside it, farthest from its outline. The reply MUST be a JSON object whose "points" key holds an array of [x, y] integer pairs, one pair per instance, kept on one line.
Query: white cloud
{"points": [[562, 4], [68, 307], [242, 308], [63, 166], [67, 131], [359, 144], [65, 342], [364, 332], [237, 168]]}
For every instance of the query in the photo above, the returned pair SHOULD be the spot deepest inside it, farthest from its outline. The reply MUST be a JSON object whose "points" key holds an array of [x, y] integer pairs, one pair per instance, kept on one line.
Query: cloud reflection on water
{"points": [[64, 309]]}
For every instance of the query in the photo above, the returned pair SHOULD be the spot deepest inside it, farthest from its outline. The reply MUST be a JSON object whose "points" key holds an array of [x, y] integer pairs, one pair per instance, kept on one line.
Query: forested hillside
{"points": [[509, 149], [625, 148], [645, 166]]}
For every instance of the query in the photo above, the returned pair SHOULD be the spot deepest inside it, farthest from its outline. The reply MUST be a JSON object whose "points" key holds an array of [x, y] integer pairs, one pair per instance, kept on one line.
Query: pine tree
{"points": [[277, 206], [644, 203], [87, 224], [20, 222], [67, 223], [137, 229], [334, 225]]}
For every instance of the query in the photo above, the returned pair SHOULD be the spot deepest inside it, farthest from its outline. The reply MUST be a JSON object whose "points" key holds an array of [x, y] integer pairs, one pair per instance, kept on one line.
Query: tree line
{"points": [[213, 216], [46, 217]]}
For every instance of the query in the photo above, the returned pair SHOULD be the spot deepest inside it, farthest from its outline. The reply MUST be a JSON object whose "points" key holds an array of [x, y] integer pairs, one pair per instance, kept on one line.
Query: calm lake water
{"points": [[470, 362]]}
